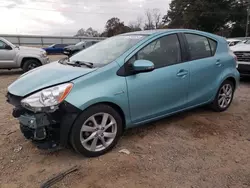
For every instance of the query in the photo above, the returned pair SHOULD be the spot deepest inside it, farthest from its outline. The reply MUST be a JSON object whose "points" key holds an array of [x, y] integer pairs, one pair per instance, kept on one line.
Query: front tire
{"points": [[30, 64], [224, 96], [96, 131]]}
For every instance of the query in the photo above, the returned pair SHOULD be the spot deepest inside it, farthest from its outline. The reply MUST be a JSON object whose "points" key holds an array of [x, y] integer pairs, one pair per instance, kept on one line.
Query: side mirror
{"points": [[7, 47], [140, 66]]}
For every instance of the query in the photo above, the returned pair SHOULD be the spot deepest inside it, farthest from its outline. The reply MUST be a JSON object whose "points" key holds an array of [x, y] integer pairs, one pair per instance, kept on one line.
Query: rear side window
{"points": [[200, 46]]}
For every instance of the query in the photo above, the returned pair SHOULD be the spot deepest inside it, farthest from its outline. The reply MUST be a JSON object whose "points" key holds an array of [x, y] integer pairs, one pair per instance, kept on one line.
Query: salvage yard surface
{"points": [[194, 149]]}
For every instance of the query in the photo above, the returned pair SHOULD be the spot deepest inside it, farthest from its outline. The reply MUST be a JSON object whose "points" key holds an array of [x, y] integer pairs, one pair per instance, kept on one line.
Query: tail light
{"points": [[236, 61], [235, 57]]}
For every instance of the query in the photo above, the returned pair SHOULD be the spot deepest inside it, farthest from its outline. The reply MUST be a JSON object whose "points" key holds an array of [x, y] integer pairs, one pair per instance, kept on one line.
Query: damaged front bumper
{"points": [[46, 130]]}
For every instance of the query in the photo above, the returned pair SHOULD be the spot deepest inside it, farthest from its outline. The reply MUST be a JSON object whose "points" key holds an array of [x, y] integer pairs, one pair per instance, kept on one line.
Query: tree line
{"points": [[224, 17]]}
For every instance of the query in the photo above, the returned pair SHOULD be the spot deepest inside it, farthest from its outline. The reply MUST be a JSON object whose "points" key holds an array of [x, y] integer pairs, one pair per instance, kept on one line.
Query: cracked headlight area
{"points": [[48, 99]]}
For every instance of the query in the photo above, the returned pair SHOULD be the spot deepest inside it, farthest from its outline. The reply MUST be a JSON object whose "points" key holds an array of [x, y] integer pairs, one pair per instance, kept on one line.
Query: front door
{"points": [[6, 56], [165, 89]]}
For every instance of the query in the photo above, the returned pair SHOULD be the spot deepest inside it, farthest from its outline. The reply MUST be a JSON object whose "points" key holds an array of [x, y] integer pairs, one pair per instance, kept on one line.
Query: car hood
{"points": [[240, 47], [30, 49], [45, 76]]}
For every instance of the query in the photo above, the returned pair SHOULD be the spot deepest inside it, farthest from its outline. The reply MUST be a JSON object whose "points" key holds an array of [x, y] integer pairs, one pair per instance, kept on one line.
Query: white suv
{"points": [[242, 52]]}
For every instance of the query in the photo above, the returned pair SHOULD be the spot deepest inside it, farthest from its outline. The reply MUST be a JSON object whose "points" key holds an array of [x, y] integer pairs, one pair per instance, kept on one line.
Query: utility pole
{"points": [[248, 7]]}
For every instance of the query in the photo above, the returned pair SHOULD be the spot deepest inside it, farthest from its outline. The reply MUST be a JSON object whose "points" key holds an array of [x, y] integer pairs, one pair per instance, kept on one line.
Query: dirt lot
{"points": [[194, 149]]}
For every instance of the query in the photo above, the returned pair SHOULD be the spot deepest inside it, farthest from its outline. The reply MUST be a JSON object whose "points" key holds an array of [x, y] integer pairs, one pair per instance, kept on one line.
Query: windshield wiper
{"points": [[80, 63]]}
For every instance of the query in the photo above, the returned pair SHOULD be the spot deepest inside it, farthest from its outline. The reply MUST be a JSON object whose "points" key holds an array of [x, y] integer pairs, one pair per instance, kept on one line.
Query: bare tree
{"points": [[153, 19], [149, 24], [139, 21], [136, 25], [156, 18]]}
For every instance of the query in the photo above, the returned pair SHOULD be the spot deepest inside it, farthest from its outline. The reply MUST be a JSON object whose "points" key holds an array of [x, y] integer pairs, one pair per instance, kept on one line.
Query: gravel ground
{"points": [[194, 149]]}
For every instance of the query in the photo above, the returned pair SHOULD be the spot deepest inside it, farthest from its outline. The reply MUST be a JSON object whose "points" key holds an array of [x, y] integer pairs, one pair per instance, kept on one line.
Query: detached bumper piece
{"points": [[40, 137], [45, 130]]}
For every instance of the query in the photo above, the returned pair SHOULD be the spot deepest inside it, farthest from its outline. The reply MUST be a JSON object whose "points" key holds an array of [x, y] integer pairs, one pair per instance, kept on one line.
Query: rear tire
{"points": [[92, 134], [30, 64], [224, 96]]}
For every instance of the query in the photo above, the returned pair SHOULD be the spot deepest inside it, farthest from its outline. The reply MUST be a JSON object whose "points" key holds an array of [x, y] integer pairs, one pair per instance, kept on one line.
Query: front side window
{"points": [[199, 46], [162, 52], [2, 45]]}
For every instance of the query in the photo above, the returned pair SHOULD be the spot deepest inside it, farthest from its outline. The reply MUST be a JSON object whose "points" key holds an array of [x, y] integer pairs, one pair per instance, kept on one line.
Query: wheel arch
{"points": [[66, 129], [214, 104], [115, 107], [226, 76], [232, 79]]}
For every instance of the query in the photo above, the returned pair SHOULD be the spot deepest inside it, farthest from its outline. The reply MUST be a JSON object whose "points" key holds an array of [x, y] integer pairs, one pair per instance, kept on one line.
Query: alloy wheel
{"points": [[98, 132], [225, 95]]}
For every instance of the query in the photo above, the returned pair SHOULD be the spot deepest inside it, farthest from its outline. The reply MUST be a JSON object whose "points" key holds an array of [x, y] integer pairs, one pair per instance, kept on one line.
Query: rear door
{"points": [[205, 68], [6, 56]]}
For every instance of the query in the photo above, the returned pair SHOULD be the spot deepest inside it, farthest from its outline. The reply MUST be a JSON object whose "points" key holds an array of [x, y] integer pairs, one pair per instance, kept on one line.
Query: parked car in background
{"points": [[55, 48], [72, 49], [124, 81], [242, 52], [233, 42], [26, 58]]}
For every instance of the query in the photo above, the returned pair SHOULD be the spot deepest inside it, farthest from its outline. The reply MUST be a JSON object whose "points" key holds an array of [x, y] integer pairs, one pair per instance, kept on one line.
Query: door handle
{"points": [[182, 73], [218, 63]]}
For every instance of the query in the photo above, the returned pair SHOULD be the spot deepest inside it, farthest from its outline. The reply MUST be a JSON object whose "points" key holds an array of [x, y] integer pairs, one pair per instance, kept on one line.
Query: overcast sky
{"points": [[65, 17]]}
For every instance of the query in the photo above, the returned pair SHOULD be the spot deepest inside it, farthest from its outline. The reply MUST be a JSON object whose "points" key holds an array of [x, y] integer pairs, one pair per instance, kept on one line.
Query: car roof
{"points": [[160, 31], [147, 32]]}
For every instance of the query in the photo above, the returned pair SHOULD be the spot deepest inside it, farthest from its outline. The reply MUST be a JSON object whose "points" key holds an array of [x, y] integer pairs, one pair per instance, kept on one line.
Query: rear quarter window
{"points": [[213, 46]]}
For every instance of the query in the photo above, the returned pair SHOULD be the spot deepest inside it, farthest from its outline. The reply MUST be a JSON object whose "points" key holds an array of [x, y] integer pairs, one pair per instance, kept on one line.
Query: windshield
{"points": [[108, 50], [80, 43]]}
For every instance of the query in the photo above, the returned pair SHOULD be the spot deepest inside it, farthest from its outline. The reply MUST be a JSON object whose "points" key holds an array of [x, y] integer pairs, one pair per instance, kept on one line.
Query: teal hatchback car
{"points": [[89, 99]]}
